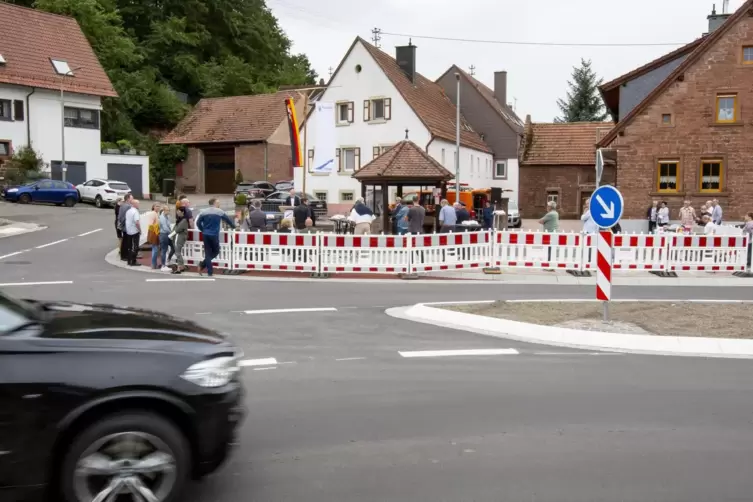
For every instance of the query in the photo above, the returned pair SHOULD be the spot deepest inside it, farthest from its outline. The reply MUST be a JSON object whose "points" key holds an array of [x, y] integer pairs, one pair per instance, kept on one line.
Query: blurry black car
{"points": [[284, 185], [255, 189], [277, 199], [99, 402]]}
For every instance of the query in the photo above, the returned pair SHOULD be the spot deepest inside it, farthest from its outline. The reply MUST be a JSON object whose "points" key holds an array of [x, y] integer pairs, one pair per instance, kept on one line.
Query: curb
{"points": [[574, 338]]}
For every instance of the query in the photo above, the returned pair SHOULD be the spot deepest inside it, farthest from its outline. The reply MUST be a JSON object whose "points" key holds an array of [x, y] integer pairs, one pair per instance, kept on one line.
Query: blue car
{"points": [[50, 191]]}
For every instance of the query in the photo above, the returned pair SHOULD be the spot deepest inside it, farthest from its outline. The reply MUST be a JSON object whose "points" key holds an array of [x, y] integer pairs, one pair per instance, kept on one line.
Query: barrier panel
{"points": [[451, 251], [364, 253], [545, 250], [708, 253], [640, 252], [273, 251], [193, 251]]}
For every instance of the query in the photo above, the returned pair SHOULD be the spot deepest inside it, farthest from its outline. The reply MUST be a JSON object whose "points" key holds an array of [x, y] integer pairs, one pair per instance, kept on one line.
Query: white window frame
{"points": [[343, 159], [317, 194], [351, 193], [374, 101], [497, 164], [348, 106]]}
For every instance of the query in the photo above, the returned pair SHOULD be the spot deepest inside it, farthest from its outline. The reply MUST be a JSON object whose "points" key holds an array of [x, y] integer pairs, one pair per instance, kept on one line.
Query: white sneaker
{"points": [[166, 269]]}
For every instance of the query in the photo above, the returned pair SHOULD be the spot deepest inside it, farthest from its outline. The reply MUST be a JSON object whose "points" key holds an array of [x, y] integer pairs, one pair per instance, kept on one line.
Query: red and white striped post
{"points": [[604, 269]]}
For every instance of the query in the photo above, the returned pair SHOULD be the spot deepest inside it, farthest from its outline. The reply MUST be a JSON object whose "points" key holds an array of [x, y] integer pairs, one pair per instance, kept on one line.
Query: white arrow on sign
{"points": [[608, 210]]}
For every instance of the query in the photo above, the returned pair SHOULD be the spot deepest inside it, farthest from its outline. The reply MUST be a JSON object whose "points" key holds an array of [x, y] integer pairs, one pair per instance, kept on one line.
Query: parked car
{"points": [[102, 192], [50, 191], [274, 201], [284, 185], [514, 216], [255, 189], [97, 400]]}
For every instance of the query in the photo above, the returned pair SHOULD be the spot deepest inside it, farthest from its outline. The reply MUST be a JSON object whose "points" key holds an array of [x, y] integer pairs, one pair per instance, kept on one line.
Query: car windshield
{"points": [[512, 206], [119, 186], [14, 314]]}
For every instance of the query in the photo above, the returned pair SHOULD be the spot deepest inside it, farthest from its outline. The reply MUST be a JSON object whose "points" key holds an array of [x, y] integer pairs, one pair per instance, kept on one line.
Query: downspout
{"points": [[28, 118], [429, 143]]}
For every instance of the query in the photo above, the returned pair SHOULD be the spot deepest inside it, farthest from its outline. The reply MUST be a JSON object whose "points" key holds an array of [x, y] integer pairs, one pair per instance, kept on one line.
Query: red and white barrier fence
{"points": [[410, 254]]}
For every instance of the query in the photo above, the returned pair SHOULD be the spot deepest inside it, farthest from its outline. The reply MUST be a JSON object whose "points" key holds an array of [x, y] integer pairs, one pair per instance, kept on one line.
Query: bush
{"points": [[25, 165], [124, 145], [241, 199]]}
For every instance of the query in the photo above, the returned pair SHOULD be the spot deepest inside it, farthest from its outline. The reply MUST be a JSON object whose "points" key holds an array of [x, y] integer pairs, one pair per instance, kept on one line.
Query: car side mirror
{"points": [[36, 188]]}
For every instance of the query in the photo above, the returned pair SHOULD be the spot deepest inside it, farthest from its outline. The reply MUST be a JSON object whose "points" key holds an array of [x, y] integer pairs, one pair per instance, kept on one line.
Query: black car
{"points": [[284, 186], [277, 199], [99, 400], [255, 189]]}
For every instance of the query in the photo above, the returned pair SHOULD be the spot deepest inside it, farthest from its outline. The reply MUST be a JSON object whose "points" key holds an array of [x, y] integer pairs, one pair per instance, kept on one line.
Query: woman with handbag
{"points": [[151, 221]]}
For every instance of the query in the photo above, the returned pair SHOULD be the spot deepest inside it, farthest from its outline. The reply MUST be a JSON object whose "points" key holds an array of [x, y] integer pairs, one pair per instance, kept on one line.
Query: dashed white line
{"points": [[50, 244], [578, 354], [183, 279], [350, 359], [471, 352], [262, 369], [269, 361], [288, 311], [203, 313], [89, 232], [10, 254], [47, 283]]}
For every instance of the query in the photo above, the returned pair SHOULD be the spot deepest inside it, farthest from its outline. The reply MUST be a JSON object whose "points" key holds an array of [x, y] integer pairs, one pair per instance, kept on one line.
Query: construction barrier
{"points": [[410, 254]]}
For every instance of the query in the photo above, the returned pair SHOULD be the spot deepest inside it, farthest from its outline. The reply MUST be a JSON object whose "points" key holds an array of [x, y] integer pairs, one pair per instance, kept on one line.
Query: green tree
{"points": [[583, 103]]}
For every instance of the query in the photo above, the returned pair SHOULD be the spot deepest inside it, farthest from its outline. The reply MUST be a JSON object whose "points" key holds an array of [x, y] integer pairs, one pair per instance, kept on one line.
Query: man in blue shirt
{"points": [[447, 217], [209, 224]]}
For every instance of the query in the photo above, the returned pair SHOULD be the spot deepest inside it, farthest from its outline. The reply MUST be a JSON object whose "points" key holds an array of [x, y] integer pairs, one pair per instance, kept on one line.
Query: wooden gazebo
{"points": [[403, 165]]}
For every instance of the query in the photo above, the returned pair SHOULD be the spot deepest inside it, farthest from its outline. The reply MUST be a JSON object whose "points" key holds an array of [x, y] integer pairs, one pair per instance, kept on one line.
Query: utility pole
{"points": [[473, 70], [331, 70], [457, 139], [63, 168], [376, 36]]}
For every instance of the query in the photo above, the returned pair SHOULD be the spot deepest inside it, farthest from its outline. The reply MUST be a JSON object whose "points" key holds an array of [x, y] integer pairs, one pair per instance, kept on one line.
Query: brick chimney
{"points": [[500, 87], [406, 60]]}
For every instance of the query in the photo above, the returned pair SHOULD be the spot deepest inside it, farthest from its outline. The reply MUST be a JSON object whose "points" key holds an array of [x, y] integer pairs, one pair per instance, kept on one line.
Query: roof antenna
{"points": [[406, 134], [725, 7], [410, 42]]}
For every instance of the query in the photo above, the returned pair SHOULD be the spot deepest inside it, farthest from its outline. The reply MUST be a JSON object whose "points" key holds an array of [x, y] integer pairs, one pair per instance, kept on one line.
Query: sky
{"points": [[537, 75]]}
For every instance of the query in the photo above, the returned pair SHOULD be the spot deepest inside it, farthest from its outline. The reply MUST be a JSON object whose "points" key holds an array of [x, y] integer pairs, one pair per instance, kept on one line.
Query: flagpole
{"points": [[305, 149]]}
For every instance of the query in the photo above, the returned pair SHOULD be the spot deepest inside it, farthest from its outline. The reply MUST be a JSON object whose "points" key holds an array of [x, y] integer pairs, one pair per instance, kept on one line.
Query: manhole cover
{"points": [[16, 262]]}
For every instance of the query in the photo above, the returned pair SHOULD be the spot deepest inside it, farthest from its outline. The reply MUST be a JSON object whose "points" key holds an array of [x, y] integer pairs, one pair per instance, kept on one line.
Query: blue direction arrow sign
{"points": [[606, 206]]}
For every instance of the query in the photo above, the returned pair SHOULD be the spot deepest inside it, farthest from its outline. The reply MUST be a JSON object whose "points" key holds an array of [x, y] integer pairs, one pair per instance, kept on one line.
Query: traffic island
{"points": [[688, 328]]}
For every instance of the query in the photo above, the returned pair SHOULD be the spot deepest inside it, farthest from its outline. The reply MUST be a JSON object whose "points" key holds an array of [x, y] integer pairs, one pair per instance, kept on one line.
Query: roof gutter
{"points": [[28, 117], [430, 142]]}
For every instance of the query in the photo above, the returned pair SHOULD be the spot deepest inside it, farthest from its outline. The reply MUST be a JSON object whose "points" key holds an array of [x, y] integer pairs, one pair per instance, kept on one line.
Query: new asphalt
{"points": [[339, 411]]}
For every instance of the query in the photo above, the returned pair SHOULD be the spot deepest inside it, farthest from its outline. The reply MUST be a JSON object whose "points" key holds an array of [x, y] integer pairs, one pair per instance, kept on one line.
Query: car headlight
{"points": [[212, 373], [11, 190]]}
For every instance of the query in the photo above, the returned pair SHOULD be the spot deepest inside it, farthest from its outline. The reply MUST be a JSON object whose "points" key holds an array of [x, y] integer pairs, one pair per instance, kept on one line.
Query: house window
{"points": [[552, 196], [726, 108], [322, 196], [666, 119], [4, 148], [5, 109], [500, 169], [667, 175], [347, 196], [18, 110], [61, 67], [344, 112], [81, 117], [378, 109], [711, 175], [748, 54], [350, 159]]}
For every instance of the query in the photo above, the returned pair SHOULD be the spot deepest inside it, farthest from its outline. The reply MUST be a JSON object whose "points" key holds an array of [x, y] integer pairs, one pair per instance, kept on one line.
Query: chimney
{"points": [[716, 20], [406, 60], [500, 87]]}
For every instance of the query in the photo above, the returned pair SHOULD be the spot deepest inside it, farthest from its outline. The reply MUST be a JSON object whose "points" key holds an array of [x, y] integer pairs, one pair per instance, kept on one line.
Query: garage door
{"points": [[75, 174], [129, 174]]}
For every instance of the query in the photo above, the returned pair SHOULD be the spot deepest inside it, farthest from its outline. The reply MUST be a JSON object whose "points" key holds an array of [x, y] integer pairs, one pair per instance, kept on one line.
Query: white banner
{"points": [[326, 140]]}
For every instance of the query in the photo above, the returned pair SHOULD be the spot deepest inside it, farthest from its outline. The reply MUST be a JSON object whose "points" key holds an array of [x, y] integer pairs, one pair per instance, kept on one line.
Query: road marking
{"points": [[350, 359], [51, 244], [578, 354], [10, 254], [262, 369], [471, 352], [183, 279], [287, 311], [89, 232], [269, 361], [49, 283], [203, 313]]}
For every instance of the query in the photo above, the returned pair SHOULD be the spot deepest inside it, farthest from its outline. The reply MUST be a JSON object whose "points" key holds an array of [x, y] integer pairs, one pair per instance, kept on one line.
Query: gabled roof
{"points": [[232, 119], [427, 99], [404, 161], [705, 44], [561, 144], [32, 38], [504, 111]]}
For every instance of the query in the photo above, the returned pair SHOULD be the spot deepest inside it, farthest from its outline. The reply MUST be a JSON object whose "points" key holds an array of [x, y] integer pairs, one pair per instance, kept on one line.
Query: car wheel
{"points": [[70, 202], [25, 198], [139, 455], [79, 196], [98, 201]]}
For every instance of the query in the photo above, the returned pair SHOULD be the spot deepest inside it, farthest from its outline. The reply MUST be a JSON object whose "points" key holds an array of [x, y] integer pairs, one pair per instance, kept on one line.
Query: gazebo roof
{"points": [[405, 161]]}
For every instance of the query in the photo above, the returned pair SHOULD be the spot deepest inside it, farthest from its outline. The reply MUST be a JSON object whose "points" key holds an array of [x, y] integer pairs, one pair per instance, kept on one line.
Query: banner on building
{"points": [[295, 142], [326, 140]]}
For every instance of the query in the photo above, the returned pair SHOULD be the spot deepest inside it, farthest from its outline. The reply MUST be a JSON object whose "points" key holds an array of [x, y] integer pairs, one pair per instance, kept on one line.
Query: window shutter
{"points": [[339, 160], [366, 110], [350, 112], [375, 152], [387, 108], [357, 163], [18, 110]]}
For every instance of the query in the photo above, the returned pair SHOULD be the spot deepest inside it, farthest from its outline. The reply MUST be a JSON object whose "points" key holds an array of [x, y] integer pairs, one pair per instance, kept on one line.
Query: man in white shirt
{"points": [[589, 225], [709, 227], [716, 213], [133, 232]]}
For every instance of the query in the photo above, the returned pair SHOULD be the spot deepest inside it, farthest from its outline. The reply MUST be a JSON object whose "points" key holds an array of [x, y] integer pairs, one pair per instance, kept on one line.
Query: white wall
{"points": [[478, 175]]}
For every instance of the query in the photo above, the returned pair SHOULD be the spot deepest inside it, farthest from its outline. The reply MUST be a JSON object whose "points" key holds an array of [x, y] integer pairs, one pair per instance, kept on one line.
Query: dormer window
{"points": [[61, 67]]}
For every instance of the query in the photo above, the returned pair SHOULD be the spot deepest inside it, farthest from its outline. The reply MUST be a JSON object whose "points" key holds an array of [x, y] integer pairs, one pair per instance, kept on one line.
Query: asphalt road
{"points": [[342, 415]]}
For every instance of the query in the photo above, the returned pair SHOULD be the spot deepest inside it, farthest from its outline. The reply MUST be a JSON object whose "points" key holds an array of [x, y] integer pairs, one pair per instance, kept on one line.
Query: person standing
{"points": [[662, 217], [401, 217], [447, 217], [651, 215], [394, 213], [257, 219], [165, 243], [687, 216], [120, 224], [184, 205], [292, 199], [488, 215], [716, 212], [462, 214], [209, 224], [362, 216], [589, 225], [132, 226], [118, 231], [551, 220], [181, 234], [416, 215]]}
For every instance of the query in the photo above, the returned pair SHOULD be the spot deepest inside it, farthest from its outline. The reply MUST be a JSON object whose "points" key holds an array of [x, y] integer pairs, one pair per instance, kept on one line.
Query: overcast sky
{"points": [[537, 75]]}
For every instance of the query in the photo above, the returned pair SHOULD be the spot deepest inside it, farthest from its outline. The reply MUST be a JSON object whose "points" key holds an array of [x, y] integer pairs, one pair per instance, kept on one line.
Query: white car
{"points": [[102, 192]]}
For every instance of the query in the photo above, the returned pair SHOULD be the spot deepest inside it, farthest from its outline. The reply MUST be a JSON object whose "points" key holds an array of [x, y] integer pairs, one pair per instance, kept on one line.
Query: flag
{"points": [[295, 142]]}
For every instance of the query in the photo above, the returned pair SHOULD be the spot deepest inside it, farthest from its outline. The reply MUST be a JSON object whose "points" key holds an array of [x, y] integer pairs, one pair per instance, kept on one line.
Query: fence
{"points": [[327, 253]]}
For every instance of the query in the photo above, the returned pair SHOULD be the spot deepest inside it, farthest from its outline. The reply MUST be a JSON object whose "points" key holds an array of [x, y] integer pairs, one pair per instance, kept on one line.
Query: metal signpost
{"points": [[606, 208]]}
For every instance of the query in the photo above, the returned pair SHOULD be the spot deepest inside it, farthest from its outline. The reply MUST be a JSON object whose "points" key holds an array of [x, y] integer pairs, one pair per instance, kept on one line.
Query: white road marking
{"points": [[203, 313], [48, 283], [471, 352], [269, 361], [287, 362], [10, 254], [350, 359], [578, 354], [51, 244], [287, 311], [262, 369], [89, 232], [11, 230], [183, 279]]}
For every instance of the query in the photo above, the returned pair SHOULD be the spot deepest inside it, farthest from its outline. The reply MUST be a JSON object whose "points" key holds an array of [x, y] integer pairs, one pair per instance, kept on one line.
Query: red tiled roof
{"points": [[407, 161], [232, 119], [706, 43], [428, 101], [29, 38], [565, 144]]}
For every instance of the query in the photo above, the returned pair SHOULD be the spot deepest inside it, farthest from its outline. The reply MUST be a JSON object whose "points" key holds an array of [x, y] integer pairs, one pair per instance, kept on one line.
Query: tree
{"points": [[583, 102]]}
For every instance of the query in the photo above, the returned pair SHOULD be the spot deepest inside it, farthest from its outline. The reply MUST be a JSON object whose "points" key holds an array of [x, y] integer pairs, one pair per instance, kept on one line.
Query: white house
{"points": [[381, 100], [40, 55]]}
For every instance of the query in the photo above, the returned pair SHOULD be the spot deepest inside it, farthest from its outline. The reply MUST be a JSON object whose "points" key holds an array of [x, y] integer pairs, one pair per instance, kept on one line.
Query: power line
{"points": [[544, 44], [376, 36]]}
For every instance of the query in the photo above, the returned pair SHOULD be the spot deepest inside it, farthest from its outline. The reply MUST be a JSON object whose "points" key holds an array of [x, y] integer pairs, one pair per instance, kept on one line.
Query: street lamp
{"points": [[69, 73], [457, 139]]}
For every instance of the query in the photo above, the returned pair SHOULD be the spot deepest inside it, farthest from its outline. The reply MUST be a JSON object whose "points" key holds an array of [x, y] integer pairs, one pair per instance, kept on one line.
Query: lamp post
{"points": [[69, 73], [457, 139]]}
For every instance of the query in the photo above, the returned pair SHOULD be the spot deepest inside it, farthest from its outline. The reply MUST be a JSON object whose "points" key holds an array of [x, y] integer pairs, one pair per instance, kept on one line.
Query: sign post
{"points": [[606, 208]]}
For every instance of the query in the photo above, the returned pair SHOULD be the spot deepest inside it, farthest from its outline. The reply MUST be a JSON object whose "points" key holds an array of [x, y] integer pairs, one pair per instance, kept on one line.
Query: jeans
{"points": [[211, 250], [155, 254], [402, 231], [132, 246], [164, 244]]}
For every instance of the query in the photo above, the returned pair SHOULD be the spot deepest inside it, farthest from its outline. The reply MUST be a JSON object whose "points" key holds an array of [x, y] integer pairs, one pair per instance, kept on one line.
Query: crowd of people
{"points": [[709, 217]]}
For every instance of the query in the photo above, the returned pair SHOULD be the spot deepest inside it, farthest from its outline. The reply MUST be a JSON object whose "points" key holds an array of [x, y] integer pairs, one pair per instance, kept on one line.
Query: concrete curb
{"points": [[577, 339]]}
